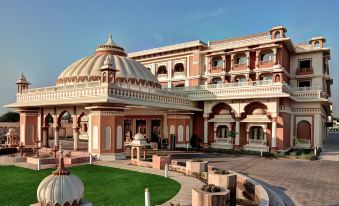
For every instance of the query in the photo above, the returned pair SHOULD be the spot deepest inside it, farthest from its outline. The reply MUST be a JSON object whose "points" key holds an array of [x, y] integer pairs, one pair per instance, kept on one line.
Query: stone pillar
{"points": [[237, 131], [215, 134], [205, 129], [248, 136], [165, 127], [56, 136], [275, 59], [274, 133], [232, 63], [257, 59], [248, 60], [224, 63], [76, 138]]}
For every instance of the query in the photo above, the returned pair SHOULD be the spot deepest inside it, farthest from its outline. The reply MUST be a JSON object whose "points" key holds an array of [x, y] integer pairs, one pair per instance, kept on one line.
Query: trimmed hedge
{"points": [[8, 150]]}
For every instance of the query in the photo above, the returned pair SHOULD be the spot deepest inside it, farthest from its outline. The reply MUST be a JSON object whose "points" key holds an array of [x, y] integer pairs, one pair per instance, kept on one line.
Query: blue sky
{"points": [[41, 38]]}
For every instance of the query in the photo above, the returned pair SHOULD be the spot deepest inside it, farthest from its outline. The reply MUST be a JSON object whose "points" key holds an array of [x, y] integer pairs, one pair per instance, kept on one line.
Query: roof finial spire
{"points": [[110, 40], [61, 170]]}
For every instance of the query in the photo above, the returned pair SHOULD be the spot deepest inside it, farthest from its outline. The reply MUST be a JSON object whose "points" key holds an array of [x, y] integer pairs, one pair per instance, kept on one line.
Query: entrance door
{"points": [[155, 124], [141, 126]]}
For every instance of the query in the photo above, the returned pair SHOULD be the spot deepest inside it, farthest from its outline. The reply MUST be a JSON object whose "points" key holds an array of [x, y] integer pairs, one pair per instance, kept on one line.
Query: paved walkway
{"points": [[331, 148], [184, 196]]}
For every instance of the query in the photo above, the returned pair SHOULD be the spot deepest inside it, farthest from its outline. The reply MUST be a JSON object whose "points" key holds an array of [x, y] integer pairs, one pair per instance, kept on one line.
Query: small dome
{"points": [[22, 79], [259, 111], [12, 132], [60, 188], [139, 140]]}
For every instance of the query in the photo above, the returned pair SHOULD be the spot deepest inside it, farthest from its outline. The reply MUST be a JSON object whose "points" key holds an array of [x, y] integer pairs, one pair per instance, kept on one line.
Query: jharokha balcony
{"points": [[304, 71]]}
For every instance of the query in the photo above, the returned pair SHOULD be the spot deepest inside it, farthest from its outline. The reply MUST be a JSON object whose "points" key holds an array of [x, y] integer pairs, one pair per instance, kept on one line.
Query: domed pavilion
{"points": [[105, 95]]}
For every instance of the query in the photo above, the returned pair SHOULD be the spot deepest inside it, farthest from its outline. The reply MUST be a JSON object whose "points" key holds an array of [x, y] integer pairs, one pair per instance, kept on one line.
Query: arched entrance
{"points": [[304, 130]]}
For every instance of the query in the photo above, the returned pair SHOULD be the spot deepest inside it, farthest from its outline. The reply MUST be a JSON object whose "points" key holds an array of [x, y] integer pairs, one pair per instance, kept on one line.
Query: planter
{"points": [[159, 161], [195, 167], [202, 198], [228, 181]]}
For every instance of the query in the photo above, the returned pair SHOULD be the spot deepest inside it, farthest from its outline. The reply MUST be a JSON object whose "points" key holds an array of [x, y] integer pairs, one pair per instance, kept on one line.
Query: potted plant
{"points": [[160, 160], [210, 195], [196, 166]]}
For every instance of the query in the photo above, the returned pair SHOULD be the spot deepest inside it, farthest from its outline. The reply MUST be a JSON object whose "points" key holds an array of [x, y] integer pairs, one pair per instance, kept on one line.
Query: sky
{"points": [[42, 37]]}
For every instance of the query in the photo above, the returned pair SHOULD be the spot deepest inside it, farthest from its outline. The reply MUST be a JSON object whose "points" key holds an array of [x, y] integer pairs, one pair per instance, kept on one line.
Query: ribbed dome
{"points": [[88, 69], [60, 188]]}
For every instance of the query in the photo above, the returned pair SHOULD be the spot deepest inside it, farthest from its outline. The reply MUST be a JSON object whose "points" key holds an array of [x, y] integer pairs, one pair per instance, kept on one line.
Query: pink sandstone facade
{"points": [[272, 94]]}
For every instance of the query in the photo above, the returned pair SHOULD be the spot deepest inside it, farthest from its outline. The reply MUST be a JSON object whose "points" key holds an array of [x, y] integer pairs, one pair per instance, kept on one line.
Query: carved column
{"points": [[56, 136], [237, 131], [205, 128], [232, 62], [275, 58], [248, 59], [44, 136], [257, 54], [224, 62]]}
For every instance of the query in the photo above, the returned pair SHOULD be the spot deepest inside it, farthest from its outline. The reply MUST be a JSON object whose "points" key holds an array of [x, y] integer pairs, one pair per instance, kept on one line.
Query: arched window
{"points": [[179, 67], [304, 130], [162, 70], [277, 78], [180, 133], [277, 35], [240, 59], [266, 56], [256, 132], [316, 44], [223, 131], [217, 61], [240, 78], [216, 80]]}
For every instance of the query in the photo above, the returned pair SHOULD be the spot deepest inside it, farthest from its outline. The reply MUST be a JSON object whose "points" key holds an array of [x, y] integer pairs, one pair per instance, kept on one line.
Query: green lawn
{"points": [[103, 185]]}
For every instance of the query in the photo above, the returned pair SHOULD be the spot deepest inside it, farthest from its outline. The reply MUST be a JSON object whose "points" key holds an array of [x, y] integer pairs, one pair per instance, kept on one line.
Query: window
{"points": [[304, 83], [217, 62], [277, 35], [240, 79], [241, 59], [257, 132], [223, 130], [162, 70], [266, 57], [216, 80], [179, 68], [267, 78], [305, 64], [316, 44]]}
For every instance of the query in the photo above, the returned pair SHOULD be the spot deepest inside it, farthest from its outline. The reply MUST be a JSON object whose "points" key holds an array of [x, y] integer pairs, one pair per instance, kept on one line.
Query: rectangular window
{"points": [[304, 83], [305, 63]]}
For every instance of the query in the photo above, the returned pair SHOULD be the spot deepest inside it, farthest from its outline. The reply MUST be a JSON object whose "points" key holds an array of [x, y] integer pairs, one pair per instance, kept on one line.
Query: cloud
{"points": [[198, 16]]}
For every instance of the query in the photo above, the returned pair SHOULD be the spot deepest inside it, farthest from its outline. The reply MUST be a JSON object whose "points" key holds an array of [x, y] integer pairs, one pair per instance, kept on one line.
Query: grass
{"points": [[103, 185]]}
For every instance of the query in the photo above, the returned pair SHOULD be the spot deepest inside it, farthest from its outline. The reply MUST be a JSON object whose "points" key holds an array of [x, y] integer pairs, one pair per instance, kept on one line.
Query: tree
{"points": [[10, 117]]}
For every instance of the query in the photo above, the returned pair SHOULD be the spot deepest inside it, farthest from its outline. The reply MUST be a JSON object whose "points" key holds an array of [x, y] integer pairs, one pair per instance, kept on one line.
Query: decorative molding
{"points": [[107, 113]]}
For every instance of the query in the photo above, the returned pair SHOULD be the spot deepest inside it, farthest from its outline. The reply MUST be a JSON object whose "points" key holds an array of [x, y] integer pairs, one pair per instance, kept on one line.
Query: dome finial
{"points": [[110, 40], [61, 167]]}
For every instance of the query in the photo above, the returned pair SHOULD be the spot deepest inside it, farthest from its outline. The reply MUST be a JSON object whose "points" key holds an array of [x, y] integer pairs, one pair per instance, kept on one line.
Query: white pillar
{"points": [[317, 127], [237, 131], [56, 136], [205, 129], [215, 134], [274, 132], [76, 139], [147, 198], [166, 170]]}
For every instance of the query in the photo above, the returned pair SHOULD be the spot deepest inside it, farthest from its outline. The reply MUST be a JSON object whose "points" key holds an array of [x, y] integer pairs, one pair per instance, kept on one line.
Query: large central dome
{"points": [[88, 69]]}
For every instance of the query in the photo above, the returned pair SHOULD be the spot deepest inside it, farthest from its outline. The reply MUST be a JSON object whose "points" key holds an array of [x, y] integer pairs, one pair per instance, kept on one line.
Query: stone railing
{"points": [[179, 74], [257, 142], [94, 90], [266, 63], [224, 140], [237, 67], [216, 69], [162, 76]]}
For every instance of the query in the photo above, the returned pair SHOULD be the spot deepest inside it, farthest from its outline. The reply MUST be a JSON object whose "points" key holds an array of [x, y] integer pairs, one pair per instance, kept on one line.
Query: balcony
{"points": [[239, 67], [309, 94], [266, 63], [179, 75], [216, 69], [304, 71]]}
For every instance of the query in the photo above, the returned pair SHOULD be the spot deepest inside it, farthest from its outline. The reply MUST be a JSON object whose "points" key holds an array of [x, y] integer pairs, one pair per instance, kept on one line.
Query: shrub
{"points": [[8, 150], [196, 160], [210, 188], [221, 172]]}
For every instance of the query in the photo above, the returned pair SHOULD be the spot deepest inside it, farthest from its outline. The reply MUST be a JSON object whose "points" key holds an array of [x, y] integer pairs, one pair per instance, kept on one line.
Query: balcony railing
{"points": [[224, 140], [239, 66], [162, 76], [304, 71], [179, 74], [266, 63], [257, 142], [216, 69]]}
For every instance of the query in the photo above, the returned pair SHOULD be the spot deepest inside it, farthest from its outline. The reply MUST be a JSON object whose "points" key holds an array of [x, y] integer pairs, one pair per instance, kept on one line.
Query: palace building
{"points": [[271, 94]]}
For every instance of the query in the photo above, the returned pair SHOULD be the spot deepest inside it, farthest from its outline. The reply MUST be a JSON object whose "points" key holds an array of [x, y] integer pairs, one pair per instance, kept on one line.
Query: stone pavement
{"points": [[331, 148], [184, 196], [297, 182]]}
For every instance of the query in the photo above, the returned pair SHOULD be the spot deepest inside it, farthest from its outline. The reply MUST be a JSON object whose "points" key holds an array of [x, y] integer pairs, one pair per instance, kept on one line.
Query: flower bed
{"points": [[196, 166], [210, 195]]}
